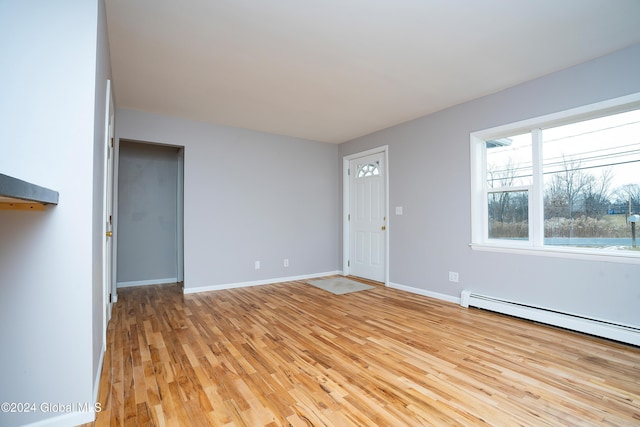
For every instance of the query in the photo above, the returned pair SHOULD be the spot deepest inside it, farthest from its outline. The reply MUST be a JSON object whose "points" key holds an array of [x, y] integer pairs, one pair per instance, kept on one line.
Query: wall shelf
{"points": [[16, 194]]}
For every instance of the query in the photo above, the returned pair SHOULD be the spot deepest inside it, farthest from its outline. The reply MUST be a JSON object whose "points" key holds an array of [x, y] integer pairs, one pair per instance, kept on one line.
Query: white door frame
{"points": [[108, 211], [114, 240], [180, 219], [179, 231], [346, 202]]}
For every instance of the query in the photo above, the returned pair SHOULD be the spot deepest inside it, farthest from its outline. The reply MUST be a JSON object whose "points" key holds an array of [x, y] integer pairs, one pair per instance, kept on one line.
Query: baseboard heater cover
{"points": [[611, 330]]}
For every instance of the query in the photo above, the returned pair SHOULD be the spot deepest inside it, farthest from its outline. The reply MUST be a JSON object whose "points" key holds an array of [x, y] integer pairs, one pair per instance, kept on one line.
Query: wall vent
{"points": [[615, 331]]}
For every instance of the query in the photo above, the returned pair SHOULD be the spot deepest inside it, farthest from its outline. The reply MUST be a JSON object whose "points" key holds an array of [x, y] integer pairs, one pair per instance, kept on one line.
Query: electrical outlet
{"points": [[286, 262], [257, 265], [453, 276]]}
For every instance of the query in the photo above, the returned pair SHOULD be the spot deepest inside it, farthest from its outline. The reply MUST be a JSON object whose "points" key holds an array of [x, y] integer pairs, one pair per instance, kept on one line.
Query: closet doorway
{"points": [[150, 224]]}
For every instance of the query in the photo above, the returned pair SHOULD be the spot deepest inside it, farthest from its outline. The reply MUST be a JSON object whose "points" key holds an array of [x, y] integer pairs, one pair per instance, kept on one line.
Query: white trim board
{"points": [[147, 282], [424, 292], [65, 420], [258, 282]]}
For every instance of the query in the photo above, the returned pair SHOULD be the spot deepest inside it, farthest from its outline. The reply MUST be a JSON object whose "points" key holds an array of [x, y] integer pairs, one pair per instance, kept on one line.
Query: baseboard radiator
{"points": [[615, 331]]}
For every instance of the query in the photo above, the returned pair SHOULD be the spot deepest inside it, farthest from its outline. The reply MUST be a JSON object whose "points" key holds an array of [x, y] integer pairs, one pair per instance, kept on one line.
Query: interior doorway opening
{"points": [[150, 245]]}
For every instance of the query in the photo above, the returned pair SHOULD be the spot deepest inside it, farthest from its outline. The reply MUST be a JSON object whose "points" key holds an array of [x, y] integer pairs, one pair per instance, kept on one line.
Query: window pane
{"points": [[367, 170], [592, 179], [509, 215], [509, 161]]}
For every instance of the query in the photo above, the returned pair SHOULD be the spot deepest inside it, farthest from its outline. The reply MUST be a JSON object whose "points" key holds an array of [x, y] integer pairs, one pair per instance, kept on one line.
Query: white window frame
{"points": [[479, 188]]}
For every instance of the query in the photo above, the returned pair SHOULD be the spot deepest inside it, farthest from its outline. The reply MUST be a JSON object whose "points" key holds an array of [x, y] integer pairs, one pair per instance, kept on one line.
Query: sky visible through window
{"points": [[594, 146]]}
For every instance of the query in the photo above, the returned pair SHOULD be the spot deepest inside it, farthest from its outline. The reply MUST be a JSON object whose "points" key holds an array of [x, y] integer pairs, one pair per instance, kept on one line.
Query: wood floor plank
{"points": [[290, 354]]}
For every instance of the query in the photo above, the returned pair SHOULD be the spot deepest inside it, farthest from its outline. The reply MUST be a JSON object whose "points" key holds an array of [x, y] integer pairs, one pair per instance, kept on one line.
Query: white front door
{"points": [[367, 221]]}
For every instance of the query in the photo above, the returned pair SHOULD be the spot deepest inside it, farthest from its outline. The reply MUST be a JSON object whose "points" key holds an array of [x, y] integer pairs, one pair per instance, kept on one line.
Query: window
{"points": [[568, 182], [370, 169], [508, 169]]}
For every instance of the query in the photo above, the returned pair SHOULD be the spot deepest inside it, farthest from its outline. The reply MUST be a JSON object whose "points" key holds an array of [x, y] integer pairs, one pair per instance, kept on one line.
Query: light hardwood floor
{"points": [[291, 354]]}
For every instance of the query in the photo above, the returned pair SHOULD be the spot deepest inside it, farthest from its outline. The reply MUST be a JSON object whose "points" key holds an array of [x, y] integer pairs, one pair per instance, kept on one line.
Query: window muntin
{"points": [[578, 178]]}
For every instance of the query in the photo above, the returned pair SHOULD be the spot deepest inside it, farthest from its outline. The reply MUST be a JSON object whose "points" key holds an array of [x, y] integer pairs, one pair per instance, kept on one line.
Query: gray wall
{"points": [[147, 210], [429, 176], [54, 70], [248, 196]]}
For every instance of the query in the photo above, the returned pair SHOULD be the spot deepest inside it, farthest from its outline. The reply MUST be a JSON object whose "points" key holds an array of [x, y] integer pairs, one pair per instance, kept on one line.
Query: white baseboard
{"points": [[147, 282], [65, 420], [193, 290], [425, 293]]}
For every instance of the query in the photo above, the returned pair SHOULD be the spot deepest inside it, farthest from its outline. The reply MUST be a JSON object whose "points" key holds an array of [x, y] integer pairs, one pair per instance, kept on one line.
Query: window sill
{"points": [[562, 252]]}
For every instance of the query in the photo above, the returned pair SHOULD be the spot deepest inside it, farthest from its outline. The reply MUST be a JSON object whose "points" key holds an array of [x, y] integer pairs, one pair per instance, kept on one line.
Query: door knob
{"points": [[384, 227], [109, 233]]}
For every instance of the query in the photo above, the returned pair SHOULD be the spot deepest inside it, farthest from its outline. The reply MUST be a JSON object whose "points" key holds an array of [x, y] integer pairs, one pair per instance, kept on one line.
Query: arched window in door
{"points": [[370, 169]]}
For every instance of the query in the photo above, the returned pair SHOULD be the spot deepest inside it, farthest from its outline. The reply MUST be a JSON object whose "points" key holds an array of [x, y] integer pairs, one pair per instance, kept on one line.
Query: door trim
{"points": [[108, 210], [346, 202], [179, 230], [180, 219]]}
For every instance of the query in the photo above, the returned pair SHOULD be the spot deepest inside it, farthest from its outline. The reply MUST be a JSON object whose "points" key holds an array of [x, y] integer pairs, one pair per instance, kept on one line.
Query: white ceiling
{"points": [[333, 70]]}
